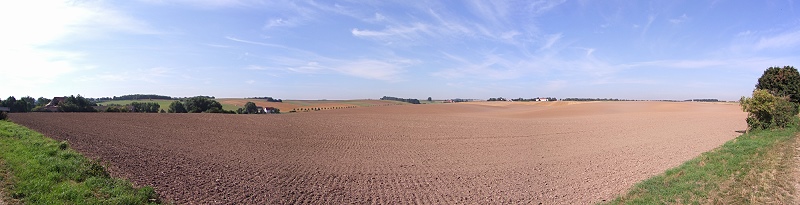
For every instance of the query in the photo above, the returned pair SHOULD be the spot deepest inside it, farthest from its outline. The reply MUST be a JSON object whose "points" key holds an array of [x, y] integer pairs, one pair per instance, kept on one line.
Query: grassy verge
{"points": [[754, 168], [40, 170]]}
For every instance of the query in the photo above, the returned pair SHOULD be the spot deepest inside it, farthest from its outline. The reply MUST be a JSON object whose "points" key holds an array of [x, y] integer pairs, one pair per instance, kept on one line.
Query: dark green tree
{"points": [[26, 104], [201, 104], [250, 108], [76, 104], [41, 101], [430, 99], [10, 103], [783, 81], [176, 107]]}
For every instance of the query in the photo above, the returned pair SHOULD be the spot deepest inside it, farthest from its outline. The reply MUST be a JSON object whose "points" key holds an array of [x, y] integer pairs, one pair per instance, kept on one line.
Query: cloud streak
{"points": [[307, 62], [28, 45]]}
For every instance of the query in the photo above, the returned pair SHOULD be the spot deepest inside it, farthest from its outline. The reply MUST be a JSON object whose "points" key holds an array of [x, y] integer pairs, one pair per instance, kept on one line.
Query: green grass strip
{"points": [[41, 170], [754, 168]]}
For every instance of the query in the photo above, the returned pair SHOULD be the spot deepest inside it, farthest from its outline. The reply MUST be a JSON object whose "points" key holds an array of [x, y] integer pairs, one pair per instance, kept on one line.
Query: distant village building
{"points": [[5, 109], [541, 99], [270, 110], [53, 105]]}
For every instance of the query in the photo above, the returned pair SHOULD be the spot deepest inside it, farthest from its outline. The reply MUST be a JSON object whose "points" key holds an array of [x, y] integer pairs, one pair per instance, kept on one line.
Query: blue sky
{"points": [[412, 49]]}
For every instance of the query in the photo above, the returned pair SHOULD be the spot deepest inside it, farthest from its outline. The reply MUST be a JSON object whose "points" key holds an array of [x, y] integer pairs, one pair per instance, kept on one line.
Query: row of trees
{"points": [[28, 104], [24, 104], [269, 99], [522, 99], [461, 100], [148, 107], [703, 100], [197, 104], [132, 97], [410, 100], [594, 99], [535, 99]]}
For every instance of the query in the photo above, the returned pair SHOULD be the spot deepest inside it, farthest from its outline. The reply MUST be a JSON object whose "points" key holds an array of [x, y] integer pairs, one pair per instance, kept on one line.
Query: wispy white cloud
{"points": [[307, 62], [650, 19], [679, 20], [678, 63], [209, 4], [552, 39], [408, 33], [542, 6], [34, 29], [789, 39], [555, 85], [150, 75], [280, 22], [371, 69]]}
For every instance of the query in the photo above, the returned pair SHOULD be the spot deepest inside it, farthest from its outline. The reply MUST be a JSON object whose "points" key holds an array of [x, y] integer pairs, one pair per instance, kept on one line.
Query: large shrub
{"points": [[176, 107], [3, 115], [767, 110]]}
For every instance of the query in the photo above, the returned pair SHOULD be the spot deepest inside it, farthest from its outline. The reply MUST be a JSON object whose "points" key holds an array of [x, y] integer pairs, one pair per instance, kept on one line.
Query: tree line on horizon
{"points": [[409, 100], [269, 99], [522, 99]]}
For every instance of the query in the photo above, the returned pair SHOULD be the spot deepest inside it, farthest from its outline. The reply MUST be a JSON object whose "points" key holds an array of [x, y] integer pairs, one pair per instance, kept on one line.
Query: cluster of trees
{"points": [[24, 104], [461, 100], [269, 99], [412, 101], [76, 104], [131, 97], [251, 108], [148, 107], [775, 100], [703, 100], [497, 99], [197, 104], [594, 99]]}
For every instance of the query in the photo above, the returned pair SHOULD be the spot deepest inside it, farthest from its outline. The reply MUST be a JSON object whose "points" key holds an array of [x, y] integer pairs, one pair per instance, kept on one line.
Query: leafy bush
{"points": [[3, 115], [176, 107], [767, 110]]}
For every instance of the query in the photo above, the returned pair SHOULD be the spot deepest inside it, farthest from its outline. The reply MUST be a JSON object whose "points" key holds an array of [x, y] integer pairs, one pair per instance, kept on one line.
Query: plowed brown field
{"points": [[439, 153]]}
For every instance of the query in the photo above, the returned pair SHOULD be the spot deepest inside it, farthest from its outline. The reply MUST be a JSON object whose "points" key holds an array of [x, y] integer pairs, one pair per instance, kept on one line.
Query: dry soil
{"points": [[551, 153]]}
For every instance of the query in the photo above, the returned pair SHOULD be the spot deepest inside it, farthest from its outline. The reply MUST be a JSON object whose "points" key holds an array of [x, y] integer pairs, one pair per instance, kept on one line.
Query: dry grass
{"points": [[771, 181], [755, 168]]}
